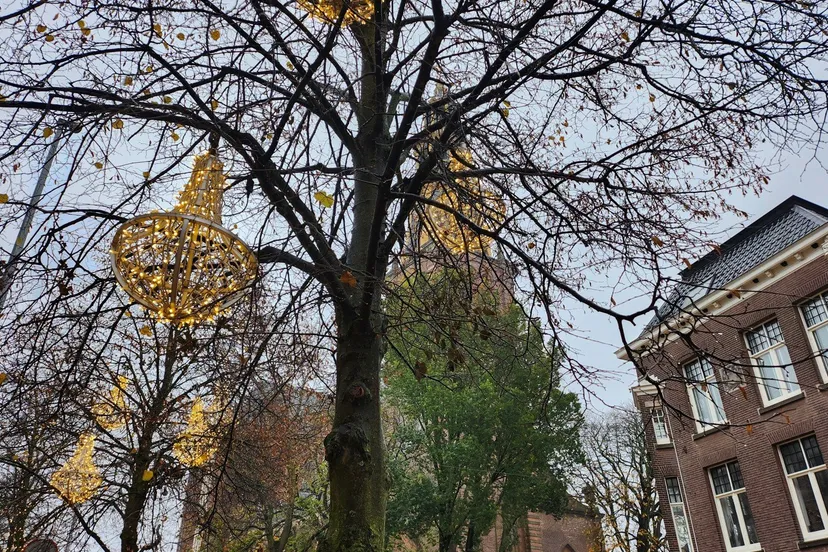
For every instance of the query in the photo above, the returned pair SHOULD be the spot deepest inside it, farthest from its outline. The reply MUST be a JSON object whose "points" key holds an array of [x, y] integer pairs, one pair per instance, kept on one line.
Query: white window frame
{"points": [[810, 471], [679, 505], [709, 381], [733, 492], [819, 355], [659, 420], [778, 365]]}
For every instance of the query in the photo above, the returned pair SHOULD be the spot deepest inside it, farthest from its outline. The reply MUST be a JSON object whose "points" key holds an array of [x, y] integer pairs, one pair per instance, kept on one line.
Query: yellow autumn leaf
{"points": [[3, 378], [214, 104], [118, 124], [98, 165], [215, 34], [148, 69], [41, 28], [145, 174], [50, 38], [82, 24], [48, 132], [145, 330], [289, 66], [167, 99], [148, 475], [175, 137], [86, 32], [127, 81], [625, 36], [180, 36], [652, 97], [4, 198], [324, 199], [157, 29]]}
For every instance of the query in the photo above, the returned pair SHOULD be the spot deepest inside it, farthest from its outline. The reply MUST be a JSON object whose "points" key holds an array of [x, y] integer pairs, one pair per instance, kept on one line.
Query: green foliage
{"points": [[480, 426]]}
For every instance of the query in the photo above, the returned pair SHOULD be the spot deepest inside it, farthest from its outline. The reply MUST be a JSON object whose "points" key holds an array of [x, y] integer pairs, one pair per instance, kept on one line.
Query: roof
{"points": [[770, 234]]}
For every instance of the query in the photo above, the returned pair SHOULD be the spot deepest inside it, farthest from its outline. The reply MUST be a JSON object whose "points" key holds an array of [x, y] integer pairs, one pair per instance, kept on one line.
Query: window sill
{"points": [[664, 446], [804, 544], [711, 430], [784, 402]]}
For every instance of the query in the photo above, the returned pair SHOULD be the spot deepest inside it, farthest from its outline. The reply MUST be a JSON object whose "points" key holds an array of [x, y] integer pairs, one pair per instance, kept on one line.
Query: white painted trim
{"points": [[800, 252]]}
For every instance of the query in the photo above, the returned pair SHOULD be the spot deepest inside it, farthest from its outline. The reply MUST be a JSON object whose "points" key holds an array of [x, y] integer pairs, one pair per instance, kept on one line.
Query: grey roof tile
{"points": [[782, 226]]}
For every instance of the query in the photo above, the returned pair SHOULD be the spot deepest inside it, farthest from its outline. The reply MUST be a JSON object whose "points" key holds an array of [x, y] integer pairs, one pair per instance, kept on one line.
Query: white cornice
{"points": [[794, 256]]}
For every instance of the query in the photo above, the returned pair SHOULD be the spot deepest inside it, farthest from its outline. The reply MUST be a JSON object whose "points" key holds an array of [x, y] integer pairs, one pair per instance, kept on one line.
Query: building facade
{"points": [[734, 390]]}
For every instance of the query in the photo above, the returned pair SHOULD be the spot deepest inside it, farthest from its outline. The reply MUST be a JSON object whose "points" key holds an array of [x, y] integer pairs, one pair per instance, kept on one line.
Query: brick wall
{"points": [[754, 431], [546, 533]]}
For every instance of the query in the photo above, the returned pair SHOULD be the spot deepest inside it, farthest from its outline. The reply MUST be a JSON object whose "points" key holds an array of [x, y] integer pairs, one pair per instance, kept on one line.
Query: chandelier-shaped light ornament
{"points": [[328, 11], [112, 413], [471, 198], [183, 266], [197, 443], [79, 478]]}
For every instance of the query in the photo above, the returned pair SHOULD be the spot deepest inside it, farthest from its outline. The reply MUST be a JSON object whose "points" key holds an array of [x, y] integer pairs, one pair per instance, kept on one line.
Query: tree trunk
{"points": [[354, 447], [138, 488], [471, 537]]}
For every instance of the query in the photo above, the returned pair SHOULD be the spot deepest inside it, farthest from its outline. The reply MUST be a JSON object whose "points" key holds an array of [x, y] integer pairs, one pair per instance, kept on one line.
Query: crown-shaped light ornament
{"points": [[328, 11], [112, 413], [197, 443], [79, 478], [183, 266]]}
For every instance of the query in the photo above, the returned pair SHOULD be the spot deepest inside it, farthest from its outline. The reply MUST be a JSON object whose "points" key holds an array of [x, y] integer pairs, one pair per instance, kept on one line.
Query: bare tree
{"points": [[610, 132], [619, 476]]}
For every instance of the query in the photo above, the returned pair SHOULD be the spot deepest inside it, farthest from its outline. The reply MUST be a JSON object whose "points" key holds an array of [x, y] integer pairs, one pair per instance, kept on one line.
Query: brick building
{"points": [[734, 387]]}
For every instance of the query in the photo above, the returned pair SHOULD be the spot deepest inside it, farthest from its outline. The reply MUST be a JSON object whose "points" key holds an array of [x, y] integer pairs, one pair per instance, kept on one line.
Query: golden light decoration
{"points": [[183, 266], [79, 478], [112, 414], [472, 199], [328, 11], [196, 444]]}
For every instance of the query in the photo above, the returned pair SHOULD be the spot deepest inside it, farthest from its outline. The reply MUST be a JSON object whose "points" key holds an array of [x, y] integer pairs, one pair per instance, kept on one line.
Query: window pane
{"points": [[770, 376], [660, 426], [736, 475], [756, 341], [814, 311], [682, 528], [716, 397], [812, 452], [731, 521], [792, 457], [693, 371], [750, 525], [774, 332], [721, 483], [808, 504], [673, 490], [788, 374], [703, 405], [821, 337], [822, 483]]}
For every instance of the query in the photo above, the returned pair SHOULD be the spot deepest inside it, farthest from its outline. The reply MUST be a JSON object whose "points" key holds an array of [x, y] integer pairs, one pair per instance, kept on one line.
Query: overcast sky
{"points": [[796, 175]]}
